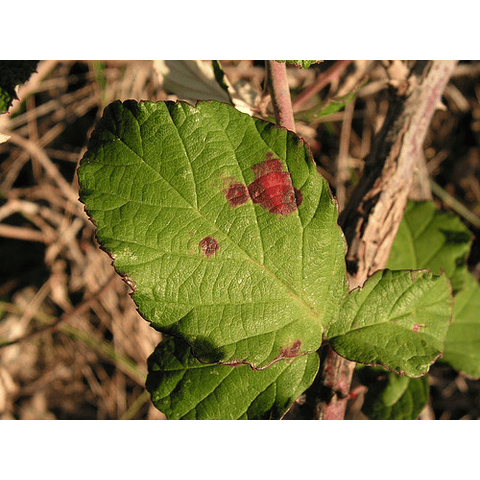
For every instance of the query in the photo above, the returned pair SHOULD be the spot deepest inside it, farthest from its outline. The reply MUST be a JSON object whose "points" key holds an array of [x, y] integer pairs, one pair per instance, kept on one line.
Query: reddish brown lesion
{"points": [[272, 188], [237, 194], [291, 351], [209, 246], [417, 326]]}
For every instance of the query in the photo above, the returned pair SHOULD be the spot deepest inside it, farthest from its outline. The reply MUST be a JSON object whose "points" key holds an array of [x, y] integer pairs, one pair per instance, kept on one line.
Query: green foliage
{"points": [[393, 397], [13, 73], [399, 319], [438, 241], [302, 63], [228, 237], [429, 238], [462, 346], [205, 212], [184, 388], [327, 108]]}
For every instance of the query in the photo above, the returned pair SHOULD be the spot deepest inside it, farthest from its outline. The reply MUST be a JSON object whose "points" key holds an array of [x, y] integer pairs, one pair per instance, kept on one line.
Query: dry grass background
{"points": [[74, 346]]}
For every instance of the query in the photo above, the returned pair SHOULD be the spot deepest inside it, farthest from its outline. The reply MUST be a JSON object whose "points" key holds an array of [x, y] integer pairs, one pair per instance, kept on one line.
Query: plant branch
{"points": [[280, 93], [375, 210]]}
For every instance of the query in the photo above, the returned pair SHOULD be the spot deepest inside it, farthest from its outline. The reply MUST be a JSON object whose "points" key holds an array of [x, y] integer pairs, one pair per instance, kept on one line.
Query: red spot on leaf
{"points": [[292, 351], [298, 196], [272, 189], [416, 327], [209, 246], [285, 352], [237, 194], [269, 165]]}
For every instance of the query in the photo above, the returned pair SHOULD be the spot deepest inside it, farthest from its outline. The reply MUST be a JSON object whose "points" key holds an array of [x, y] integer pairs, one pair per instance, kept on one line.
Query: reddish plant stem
{"points": [[336, 377], [280, 93]]}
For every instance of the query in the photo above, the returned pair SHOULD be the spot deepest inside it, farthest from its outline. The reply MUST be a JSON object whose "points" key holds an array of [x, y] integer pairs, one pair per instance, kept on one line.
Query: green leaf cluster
{"points": [[438, 241], [302, 63], [228, 237], [429, 238], [392, 397]]}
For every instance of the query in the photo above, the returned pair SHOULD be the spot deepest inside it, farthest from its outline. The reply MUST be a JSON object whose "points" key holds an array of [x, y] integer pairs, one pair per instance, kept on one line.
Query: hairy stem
{"points": [[280, 93]]}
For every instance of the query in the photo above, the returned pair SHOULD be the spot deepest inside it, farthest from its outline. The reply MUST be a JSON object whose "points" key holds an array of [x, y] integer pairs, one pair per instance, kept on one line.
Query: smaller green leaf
{"points": [[302, 63], [429, 238], [333, 105], [184, 388], [399, 319], [462, 346], [391, 397], [337, 104]]}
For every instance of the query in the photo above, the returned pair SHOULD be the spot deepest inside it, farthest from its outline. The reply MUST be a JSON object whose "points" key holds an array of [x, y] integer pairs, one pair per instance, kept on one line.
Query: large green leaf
{"points": [[462, 346], [221, 225], [184, 388], [399, 320], [429, 238]]}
